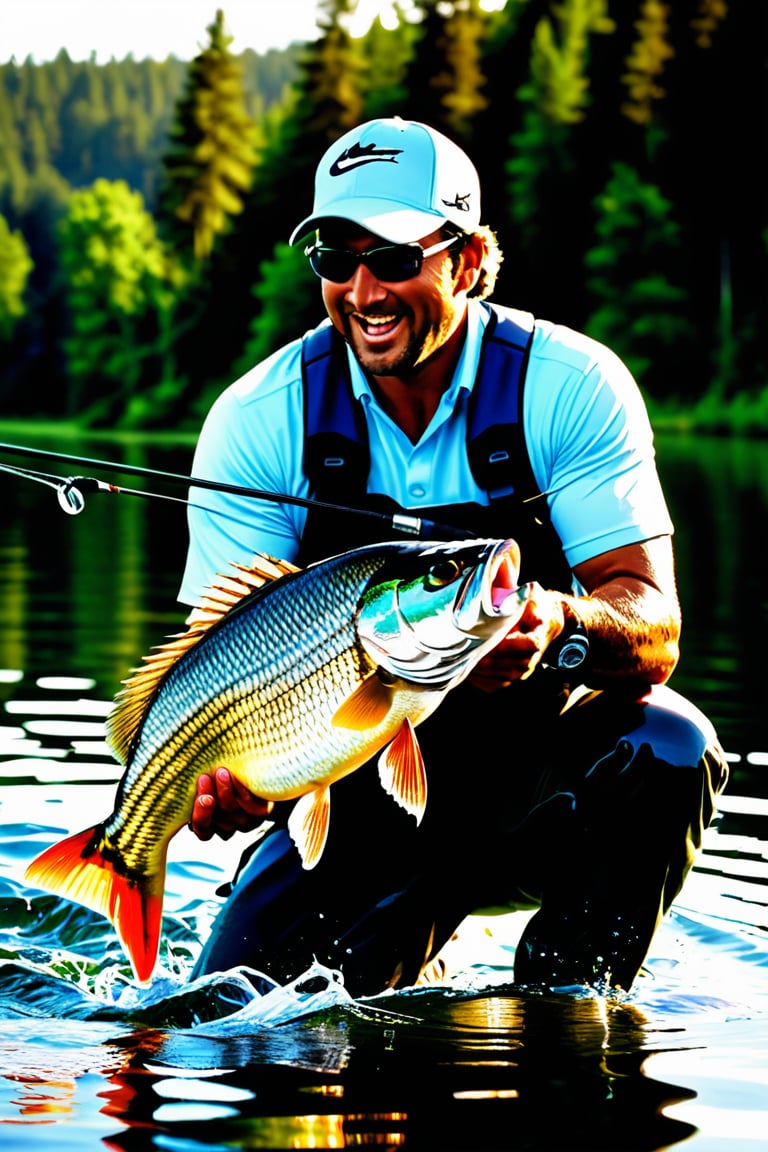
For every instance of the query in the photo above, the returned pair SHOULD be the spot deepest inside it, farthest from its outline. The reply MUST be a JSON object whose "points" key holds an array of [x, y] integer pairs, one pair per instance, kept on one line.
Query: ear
{"points": [[472, 256]]}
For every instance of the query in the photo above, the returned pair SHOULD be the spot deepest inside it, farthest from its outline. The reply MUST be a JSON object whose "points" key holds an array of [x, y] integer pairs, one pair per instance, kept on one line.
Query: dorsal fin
{"points": [[223, 594]]}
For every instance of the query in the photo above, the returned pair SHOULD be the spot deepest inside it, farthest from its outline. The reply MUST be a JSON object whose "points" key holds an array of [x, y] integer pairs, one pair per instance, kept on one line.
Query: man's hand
{"points": [[223, 806], [515, 657]]}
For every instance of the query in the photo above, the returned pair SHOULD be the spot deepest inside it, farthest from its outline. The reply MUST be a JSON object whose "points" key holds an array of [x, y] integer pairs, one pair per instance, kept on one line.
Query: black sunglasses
{"points": [[391, 262]]}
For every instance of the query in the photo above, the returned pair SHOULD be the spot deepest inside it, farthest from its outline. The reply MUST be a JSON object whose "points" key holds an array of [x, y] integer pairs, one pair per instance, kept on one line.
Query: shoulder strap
{"points": [[336, 454], [497, 451], [495, 441]]}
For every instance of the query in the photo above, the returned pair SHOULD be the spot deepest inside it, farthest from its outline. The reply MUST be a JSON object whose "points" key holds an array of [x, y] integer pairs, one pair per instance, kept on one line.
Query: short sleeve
{"points": [[591, 446]]}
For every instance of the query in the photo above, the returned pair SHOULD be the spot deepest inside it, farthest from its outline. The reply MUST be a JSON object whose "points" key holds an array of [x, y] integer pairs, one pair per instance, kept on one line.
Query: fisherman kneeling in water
{"points": [[564, 775]]}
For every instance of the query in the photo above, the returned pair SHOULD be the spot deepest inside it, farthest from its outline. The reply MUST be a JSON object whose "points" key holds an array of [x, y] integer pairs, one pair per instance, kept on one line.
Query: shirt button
{"points": [[417, 490]]}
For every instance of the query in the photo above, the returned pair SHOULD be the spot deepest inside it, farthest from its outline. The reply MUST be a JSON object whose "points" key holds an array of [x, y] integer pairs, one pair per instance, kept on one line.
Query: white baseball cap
{"points": [[396, 178]]}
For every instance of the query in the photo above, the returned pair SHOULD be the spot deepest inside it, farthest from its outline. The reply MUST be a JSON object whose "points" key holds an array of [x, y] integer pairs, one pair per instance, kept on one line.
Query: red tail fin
{"points": [[75, 868]]}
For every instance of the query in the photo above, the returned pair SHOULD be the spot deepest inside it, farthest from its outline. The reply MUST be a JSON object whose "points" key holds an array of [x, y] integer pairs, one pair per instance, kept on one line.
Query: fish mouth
{"points": [[491, 590]]}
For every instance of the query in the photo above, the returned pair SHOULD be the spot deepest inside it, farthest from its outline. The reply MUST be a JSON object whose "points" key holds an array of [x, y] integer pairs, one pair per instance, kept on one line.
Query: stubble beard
{"points": [[400, 364]]}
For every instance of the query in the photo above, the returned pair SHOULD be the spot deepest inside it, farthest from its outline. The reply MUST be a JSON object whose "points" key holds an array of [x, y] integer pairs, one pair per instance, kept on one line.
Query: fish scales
{"points": [[254, 714]]}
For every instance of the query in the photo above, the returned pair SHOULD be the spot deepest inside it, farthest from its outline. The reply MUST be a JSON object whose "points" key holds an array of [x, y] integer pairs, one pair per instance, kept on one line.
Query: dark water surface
{"points": [[87, 1060]]}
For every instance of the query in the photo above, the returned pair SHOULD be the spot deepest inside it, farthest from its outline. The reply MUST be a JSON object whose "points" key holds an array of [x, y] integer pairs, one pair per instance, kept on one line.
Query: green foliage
{"points": [[117, 282], [109, 249], [211, 159], [745, 414], [576, 113], [288, 296], [126, 135], [15, 267], [541, 153], [330, 80], [555, 98], [457, 75], [645, 63], [386, 54], [640, 312], [560, 56], [325, 102]]}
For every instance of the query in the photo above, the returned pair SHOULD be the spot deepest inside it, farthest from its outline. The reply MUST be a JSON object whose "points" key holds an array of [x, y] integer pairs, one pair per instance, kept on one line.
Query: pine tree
{"points": [[457, 76], [331, 77], [640, 308], [423, 100], [83, 115], [646, 62], [387, 53], [210, 163], [548, 209], [326, 102]]}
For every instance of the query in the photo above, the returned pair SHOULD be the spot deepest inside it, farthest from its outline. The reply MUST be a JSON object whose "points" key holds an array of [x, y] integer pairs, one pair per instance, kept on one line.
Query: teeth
{"points": [[375, 321]]}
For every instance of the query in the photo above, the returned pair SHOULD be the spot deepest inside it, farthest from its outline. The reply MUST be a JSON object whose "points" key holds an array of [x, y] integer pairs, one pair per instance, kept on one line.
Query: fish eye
{"points": [[442, 574]]}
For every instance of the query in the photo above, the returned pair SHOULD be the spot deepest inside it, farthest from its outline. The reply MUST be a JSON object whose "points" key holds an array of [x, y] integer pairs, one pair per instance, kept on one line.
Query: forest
{"points": [[145, 206]]}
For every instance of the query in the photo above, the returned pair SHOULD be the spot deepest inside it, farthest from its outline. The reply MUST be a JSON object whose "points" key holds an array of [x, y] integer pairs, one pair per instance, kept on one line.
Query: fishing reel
{"points": [[569, 651]]}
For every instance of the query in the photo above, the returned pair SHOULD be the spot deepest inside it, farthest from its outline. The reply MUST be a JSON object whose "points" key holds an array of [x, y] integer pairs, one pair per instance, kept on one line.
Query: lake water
{"points": [[87, 1060]]}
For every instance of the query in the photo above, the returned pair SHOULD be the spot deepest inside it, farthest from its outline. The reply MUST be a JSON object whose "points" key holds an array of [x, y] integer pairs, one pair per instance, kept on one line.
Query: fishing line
{"points": [[72, 501]]}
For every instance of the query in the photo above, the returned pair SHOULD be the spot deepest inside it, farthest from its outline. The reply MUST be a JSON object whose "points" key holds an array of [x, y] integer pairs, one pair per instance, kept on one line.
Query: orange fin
{"points": [[132, 701], [366, 708], [402, 772], [308, 824], [76, 869]]}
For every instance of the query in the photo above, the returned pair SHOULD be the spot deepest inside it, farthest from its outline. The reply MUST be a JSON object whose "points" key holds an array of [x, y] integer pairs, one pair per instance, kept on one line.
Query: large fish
{"points": [[294, 679]]}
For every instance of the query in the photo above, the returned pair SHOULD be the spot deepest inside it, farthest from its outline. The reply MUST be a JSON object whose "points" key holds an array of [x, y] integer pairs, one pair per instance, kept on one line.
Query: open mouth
{"points": [[504, 580], [376, 327], [490, 590]]}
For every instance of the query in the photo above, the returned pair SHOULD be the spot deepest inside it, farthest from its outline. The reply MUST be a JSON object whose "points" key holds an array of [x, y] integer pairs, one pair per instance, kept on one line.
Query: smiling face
{"points": [[394, 327]]}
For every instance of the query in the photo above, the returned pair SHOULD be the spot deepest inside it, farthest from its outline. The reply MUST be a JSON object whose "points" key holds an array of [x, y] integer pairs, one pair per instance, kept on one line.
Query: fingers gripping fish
{"points": [[293, 680]]}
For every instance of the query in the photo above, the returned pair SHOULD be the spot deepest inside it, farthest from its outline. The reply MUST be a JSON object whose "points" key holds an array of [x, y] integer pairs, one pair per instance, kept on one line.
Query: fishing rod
{"points": [[72, 501]]}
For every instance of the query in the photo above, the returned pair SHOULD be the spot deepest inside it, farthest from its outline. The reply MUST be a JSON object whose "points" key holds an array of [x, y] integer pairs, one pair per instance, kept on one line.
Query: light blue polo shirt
{"points": [[586, 430]]}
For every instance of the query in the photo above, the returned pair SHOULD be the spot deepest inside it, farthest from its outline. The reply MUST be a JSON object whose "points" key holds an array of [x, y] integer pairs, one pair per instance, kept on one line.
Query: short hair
{"points": [[489, 269]]}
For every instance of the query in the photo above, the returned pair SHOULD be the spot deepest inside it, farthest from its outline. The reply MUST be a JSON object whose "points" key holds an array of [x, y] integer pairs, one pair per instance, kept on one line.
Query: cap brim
{"points": [[398, 226]]}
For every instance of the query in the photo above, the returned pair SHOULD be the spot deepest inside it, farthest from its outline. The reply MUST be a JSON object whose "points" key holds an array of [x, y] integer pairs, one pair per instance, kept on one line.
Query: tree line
{"points": [[145, 206]]}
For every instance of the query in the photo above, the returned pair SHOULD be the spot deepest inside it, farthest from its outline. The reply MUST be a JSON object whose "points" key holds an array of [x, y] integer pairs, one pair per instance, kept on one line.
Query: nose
{"points": [[364, 289]]}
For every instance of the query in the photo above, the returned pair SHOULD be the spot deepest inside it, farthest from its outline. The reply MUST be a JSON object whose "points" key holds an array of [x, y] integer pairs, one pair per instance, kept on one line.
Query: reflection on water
{"points": [[475, 1063], [558, 1072]]}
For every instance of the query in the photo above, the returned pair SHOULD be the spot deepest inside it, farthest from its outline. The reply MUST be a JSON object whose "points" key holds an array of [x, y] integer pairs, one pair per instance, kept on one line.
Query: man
{"points": [[579, 788]]}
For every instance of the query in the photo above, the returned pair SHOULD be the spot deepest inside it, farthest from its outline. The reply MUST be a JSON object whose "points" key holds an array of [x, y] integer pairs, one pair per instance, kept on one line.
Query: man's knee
{"points": [[662, 725], [654, 760], [680, 732], [682, 737]]}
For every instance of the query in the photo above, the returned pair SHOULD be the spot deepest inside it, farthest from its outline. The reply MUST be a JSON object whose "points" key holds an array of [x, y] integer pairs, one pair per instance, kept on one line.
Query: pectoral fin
{"points": [[366, 708], [308, 825], [402, 772]]}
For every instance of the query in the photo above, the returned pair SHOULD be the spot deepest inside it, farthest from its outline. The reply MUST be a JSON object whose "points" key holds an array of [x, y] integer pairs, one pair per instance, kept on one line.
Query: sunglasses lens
{"points": [[332, 264], [400, 262]]}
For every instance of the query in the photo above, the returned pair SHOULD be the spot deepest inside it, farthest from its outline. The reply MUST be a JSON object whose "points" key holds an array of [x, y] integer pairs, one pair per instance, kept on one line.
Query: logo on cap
{"points": [[460, 203], [357, 155]]}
